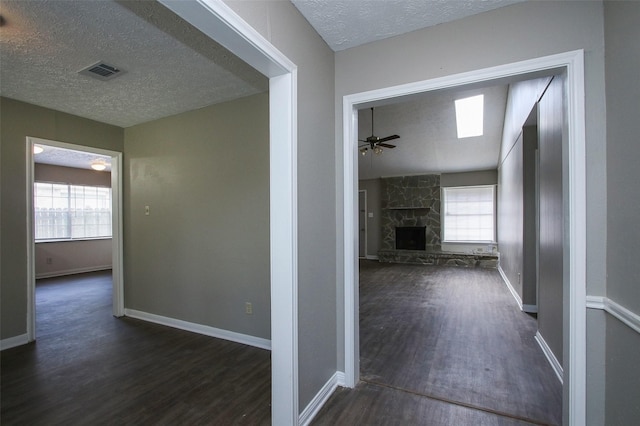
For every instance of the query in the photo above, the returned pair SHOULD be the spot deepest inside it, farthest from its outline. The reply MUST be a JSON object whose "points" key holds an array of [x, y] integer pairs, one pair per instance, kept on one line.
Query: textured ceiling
{"points": [[428, 142], [170, 67], [69, 158], [349, 23]]}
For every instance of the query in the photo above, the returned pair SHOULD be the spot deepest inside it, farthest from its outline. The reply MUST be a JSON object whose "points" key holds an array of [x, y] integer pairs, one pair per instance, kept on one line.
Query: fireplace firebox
{"points": [[411, 237]]}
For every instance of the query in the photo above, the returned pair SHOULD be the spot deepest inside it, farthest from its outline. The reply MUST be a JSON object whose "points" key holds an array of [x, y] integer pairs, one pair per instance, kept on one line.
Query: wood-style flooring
{"points": [[90, 368], [444, 346], [439, 346]]}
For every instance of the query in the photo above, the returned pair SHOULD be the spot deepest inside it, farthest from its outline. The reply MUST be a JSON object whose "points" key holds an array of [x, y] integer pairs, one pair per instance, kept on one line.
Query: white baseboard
{"points": [[73, 271], [12, 342], [372, 257], [623, 314], [206, 330], [513, 291], [321, 398], [553, 361]]}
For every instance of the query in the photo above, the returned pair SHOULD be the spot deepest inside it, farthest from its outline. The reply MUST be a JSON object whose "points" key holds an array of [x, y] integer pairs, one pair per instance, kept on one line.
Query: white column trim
{"points": [[220, 23]]}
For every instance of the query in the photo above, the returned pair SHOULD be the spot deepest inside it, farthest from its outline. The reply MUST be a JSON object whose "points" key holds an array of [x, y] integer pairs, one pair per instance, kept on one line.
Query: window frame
{"points": [[444, 210], [69, 220]]}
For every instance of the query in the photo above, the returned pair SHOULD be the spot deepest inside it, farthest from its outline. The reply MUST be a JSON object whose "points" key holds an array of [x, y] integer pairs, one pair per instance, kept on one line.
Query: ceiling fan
{"points": [[374, 143]]}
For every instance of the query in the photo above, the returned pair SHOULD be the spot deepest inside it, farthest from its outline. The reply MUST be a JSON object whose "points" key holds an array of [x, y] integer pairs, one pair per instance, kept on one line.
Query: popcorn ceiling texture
{"points": [[170, 66], [349, 23]]}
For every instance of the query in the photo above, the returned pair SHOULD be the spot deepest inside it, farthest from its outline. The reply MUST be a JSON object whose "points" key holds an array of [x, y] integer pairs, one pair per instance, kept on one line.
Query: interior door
{"points": [[362, 223]]}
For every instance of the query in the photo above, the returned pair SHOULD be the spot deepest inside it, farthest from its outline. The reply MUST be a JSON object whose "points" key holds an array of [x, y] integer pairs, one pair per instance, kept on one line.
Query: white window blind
{"points": [[63, 211], [469, 213]]}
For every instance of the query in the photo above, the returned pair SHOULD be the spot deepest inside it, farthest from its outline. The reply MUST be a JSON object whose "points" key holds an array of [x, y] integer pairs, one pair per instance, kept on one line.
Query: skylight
{"points": [[470, 116]]}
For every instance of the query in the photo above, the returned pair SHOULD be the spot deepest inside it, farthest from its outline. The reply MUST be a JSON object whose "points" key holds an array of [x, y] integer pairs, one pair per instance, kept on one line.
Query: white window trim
{"points": [[495, 211]]}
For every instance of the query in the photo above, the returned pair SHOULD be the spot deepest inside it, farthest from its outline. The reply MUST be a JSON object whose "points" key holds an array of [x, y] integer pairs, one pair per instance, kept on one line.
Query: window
{"points": [[469, 213], [63, 211], [470, 116]]}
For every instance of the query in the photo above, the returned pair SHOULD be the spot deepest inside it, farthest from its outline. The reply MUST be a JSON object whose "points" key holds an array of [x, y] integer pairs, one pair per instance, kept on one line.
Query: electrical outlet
{"points": [[248, 308], [146, 210], [49, 261]]}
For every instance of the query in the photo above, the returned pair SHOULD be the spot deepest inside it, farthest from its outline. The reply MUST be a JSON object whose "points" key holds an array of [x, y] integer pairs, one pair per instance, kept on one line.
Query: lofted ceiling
{"points": [[428, 139]]}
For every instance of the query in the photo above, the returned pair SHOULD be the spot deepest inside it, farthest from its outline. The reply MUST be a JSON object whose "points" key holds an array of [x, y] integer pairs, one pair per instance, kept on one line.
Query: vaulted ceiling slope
{"points": [[168, 66], [428, 139], [348, 23]]}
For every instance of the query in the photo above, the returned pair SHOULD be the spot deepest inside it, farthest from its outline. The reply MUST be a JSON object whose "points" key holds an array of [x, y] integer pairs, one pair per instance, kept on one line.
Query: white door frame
{"points": [[575, 216], [116, 227], [220, 23]]}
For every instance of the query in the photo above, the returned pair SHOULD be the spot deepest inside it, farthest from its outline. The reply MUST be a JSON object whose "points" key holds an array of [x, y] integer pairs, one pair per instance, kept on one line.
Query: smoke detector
{"points": [[101, 71]]}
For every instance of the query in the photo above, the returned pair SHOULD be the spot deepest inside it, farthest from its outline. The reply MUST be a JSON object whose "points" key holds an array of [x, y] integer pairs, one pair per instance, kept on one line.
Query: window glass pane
{"points": [[71, 211], [469, 213]]}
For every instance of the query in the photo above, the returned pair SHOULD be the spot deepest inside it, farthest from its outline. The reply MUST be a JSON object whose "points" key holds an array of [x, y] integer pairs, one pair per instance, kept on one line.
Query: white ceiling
{"points": [[349, 23]]}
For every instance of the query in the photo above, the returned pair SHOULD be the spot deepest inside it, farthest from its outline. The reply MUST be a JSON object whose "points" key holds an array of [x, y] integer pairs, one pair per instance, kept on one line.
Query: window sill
{"points": [[71, 240]]}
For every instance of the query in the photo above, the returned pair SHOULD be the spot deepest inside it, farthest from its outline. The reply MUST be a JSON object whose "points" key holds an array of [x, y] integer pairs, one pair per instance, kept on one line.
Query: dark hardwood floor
{"points": [[444, 346], [88, 367], [439, 346]]}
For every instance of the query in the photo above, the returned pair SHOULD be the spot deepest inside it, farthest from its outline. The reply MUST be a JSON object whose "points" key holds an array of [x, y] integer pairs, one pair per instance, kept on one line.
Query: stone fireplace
{"points": [[410, 204]]}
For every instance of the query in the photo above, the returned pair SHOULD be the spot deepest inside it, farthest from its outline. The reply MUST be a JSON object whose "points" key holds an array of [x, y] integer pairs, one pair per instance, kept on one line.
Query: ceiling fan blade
{"points": [[388, 138], [386, 145]]}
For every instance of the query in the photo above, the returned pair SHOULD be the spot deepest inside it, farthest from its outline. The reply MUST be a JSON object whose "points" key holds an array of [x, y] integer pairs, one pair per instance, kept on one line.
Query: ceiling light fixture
{"points": [[37, 149], [377, 150], [99, 165], [470, 116]]}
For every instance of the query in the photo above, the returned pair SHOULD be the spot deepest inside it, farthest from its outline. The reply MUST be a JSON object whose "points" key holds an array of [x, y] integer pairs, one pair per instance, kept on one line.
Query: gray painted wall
{"points": [[203, 251], [516, 190], [20, 120], [511, 215], [622, 32], [281, 24], [551, 272], [481, 177]]}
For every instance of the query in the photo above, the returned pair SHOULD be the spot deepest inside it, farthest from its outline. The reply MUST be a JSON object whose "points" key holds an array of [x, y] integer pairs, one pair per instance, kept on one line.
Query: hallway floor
{"points": [[443, 346], [88, 367]]}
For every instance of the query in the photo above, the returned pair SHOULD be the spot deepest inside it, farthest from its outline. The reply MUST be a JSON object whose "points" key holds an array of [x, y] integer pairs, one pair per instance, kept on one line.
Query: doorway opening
{"points": [[574, 325], [114, 160]]}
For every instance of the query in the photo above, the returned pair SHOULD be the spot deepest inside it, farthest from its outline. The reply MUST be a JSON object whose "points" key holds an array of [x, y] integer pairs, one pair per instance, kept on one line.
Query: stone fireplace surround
{"points": [[414, 201]]}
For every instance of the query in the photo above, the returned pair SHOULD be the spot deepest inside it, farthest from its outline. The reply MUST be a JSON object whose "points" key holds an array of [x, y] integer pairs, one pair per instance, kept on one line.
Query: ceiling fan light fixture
{"points": [[363, 151], [377, 150]]}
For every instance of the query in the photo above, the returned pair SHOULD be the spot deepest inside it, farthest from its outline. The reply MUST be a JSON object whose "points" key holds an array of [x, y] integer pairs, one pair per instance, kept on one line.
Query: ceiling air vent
{"points": [[101, 71]]}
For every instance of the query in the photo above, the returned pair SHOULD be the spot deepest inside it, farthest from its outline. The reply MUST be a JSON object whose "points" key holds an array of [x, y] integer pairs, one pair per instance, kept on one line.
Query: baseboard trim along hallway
{"points": [[553, 361], [200, 329], [321, 398]]}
